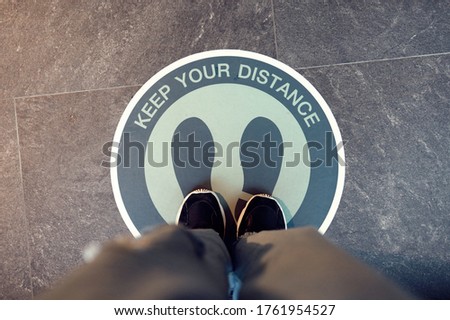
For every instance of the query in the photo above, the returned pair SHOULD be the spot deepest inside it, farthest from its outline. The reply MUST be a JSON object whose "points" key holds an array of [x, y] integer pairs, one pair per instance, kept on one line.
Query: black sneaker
{"points": [[262, 212], [201, 209]]}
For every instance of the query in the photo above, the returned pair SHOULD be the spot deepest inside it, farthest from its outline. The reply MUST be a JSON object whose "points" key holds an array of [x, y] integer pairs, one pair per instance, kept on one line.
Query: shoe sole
{"points": [[261, 178], [192, 177]]}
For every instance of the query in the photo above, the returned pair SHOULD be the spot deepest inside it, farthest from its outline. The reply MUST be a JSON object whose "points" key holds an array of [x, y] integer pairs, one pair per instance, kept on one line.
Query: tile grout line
{"points": [[373, 61], [27, 224], [76, 91], [18, 141], [277, 57], [275, 30]]}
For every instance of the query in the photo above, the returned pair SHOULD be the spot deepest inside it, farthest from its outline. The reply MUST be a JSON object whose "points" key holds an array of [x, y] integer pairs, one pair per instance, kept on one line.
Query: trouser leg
{"points": [[168, 263], [301, 264]]}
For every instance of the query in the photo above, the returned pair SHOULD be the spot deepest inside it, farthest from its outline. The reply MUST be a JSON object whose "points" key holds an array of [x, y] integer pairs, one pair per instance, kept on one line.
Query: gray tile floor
{"points": [[68, 69]]}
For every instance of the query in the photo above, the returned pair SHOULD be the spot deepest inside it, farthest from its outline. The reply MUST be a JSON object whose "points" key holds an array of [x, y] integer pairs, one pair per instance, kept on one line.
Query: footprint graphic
{"points": [[261, 153], [192, 166]]}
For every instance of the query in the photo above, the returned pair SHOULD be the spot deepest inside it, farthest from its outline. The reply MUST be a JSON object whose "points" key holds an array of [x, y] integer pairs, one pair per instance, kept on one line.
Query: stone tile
{"points": [[312, 33], [395, 117], [68, 193], [15, 266], [63, 45]]}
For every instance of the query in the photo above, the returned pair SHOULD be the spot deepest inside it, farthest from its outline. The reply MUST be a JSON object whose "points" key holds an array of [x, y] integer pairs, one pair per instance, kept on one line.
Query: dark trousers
{"points": [[175, 263]]}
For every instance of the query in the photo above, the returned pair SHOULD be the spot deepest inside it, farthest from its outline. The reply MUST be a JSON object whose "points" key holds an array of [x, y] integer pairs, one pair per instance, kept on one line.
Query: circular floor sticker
{"points": [[233, 121]]}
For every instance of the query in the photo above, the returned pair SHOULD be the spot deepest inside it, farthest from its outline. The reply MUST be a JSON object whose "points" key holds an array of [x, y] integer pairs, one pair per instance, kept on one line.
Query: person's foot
{"points": [[201, 209], [262, 212]]}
